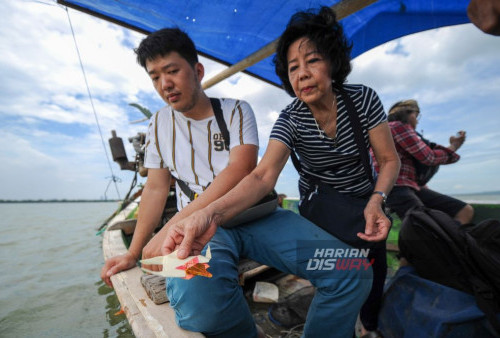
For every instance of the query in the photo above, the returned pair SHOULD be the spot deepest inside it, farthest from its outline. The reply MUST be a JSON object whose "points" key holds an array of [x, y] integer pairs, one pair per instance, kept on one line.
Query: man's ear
{"points": [[200, 71]]}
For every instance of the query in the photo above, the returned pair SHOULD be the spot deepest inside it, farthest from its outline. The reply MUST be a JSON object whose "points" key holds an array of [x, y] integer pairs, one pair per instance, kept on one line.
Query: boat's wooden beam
{"points": [[342, 9]]}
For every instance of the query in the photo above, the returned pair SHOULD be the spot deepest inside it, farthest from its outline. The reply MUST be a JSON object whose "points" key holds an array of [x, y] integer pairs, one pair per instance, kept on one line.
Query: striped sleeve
{"points": [[152, 157], [375, 111], [283, 130]]}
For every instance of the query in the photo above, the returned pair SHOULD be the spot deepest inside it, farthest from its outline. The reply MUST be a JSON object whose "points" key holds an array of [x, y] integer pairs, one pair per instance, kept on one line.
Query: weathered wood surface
{"points": [[155, 288], [145, 317]]}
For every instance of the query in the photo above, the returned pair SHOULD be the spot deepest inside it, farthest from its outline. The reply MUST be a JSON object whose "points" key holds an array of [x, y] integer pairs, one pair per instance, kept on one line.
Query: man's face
{"points": [[176, 81]]}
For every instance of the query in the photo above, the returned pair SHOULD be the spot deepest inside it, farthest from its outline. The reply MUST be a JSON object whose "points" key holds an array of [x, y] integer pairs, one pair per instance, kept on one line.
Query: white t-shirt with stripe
{"points": [[337, 164], [194, 150]]}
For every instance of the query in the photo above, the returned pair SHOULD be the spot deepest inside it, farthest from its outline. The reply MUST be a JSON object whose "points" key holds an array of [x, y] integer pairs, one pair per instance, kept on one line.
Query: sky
{"points": [[50, 138]]}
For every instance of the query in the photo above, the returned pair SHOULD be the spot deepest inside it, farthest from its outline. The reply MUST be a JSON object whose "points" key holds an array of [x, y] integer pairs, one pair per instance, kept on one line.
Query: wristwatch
{"points": [[381, 193]]}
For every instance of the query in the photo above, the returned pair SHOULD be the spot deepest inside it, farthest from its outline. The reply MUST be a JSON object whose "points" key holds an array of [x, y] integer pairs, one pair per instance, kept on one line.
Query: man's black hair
{"points": [[163, 42], [322, 29]]}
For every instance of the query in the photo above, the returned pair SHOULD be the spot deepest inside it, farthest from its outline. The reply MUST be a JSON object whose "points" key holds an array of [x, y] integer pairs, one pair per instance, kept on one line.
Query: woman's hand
{"points": [[189, 235], [457, 141], [377, 224]]}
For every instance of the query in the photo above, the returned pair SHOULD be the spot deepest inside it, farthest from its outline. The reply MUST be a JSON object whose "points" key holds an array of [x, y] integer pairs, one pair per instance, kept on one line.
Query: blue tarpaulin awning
{"points": [[230, 30]]}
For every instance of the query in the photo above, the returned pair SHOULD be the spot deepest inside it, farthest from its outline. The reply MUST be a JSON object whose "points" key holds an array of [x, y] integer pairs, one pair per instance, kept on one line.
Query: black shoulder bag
{"points": [[265, 206], [425, 172], [339, 214]]}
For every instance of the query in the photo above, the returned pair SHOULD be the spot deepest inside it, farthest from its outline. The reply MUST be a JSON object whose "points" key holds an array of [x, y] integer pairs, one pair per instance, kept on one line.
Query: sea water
{"points": [[481, 198], [50, 262]]}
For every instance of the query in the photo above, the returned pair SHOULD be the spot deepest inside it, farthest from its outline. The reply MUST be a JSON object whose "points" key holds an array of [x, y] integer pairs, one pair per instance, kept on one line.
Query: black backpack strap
{"points": [[186, 189], [358, 133], [216, 106], [219, 117]]}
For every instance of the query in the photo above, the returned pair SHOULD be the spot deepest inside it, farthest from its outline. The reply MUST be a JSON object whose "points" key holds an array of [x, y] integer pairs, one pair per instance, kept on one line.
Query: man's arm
{"points": [[407, 138], [242, 160], [153, 199]]}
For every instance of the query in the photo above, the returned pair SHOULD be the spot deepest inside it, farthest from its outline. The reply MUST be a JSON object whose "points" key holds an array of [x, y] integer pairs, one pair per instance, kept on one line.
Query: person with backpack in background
{"points": [[457, 267], [419, 160]]}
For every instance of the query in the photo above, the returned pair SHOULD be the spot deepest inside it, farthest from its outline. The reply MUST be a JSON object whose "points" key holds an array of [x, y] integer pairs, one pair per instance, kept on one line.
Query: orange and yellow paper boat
{"points": [[185, 268]]}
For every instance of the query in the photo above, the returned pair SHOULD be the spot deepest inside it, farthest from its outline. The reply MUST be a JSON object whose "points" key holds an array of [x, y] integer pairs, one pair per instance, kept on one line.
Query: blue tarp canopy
{"points": [[230, 30]]}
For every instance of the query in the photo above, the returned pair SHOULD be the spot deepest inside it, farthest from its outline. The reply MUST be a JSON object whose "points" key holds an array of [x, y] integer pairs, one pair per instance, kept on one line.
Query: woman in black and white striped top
{"points": [[313, 61]]}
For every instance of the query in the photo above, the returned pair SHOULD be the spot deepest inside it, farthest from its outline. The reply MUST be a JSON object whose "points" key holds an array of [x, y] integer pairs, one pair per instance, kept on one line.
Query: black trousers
{"points": [[401, 199], [371, 308]]}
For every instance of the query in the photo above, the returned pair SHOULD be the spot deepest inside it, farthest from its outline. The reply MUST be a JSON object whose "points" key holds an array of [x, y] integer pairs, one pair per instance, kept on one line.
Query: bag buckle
{"points": [[315, 192]]}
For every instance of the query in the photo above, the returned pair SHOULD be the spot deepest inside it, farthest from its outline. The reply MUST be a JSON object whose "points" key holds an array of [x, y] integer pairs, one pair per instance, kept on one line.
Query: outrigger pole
{"points": [[342, 9]]}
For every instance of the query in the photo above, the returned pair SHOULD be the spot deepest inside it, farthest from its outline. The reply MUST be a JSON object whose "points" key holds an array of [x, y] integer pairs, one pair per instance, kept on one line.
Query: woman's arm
{"points": [[386, 156], [377, 224], [191, 234], [242, 160], [254, 186]]}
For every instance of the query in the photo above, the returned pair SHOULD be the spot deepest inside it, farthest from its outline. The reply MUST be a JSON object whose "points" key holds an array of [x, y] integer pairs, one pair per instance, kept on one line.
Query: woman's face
{"points": [[308, 72], [413, 119]]}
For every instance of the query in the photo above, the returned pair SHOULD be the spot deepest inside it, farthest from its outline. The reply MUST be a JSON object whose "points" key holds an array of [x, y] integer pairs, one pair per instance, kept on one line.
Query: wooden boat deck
{"points": [[146, 318]]}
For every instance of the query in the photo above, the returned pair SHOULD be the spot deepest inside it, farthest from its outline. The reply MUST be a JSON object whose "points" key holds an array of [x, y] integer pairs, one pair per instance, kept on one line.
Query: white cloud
{"points": [[51, 147]]}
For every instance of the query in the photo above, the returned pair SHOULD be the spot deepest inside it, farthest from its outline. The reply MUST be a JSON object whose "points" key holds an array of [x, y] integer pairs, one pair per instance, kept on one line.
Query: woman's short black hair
{"points": [[321, 28], [163, 42]]}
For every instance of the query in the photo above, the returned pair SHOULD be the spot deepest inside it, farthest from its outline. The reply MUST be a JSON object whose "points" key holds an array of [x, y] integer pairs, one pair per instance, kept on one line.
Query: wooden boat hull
{"points": [[148, 319]]}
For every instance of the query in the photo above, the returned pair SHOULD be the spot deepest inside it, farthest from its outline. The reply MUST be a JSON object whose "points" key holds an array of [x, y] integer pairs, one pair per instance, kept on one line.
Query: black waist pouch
{"points": [[339, 214], [262, 208]]}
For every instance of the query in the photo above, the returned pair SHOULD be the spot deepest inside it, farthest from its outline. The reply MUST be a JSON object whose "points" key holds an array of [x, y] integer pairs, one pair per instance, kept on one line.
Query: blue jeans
{"points": [[216, 306]]}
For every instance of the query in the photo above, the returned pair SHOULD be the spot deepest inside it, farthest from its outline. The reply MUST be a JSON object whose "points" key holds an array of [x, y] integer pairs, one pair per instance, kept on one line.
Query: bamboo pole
{"points": [[342, 9]]}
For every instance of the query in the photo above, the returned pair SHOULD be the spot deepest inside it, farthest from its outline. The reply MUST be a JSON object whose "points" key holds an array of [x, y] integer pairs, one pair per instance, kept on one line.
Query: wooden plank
{"points": [[145, 317], [155, 288]]}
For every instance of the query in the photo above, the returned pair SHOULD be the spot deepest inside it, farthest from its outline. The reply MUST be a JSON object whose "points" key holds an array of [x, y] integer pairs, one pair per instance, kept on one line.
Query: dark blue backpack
{"points": [[466, 258]]}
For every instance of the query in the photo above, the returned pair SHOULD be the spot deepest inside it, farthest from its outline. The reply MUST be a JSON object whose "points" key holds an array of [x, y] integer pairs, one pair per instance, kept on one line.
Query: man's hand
{"points": [[115, 265], [377, 224], [189, 235]]}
